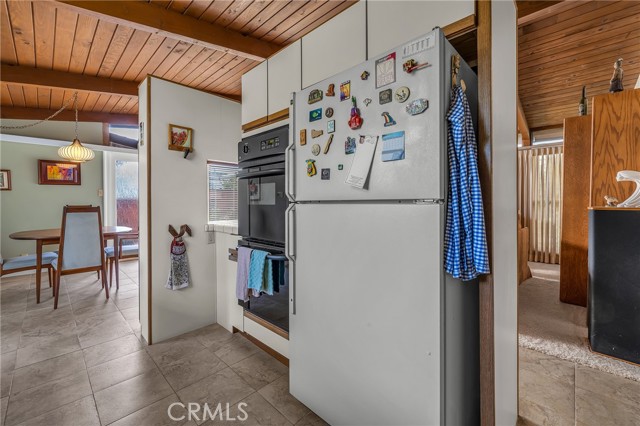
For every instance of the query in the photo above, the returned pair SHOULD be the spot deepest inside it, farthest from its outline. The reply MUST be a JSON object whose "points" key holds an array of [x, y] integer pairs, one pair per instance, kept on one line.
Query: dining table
{"points": [[44, 237]]}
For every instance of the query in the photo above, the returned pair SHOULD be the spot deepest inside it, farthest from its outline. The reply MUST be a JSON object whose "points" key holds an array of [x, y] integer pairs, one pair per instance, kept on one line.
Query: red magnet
{"points": [[411, 65], [355, 121]]}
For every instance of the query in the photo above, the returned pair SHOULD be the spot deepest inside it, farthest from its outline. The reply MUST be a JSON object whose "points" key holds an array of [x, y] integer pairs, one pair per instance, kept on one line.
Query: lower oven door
{"points": [[262, 204]]}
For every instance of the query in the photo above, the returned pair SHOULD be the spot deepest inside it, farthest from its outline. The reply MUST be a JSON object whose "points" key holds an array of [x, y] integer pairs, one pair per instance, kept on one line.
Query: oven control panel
{"points": [[266, 144]]}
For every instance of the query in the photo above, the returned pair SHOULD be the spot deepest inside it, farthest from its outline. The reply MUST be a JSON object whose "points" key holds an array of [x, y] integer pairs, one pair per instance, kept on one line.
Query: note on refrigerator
{"points": [[362, 161], [393, 146]]}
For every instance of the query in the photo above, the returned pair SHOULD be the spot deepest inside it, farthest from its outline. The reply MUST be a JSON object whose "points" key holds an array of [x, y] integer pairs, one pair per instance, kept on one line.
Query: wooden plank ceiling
{"points": [[573, 44], [62, 47]]}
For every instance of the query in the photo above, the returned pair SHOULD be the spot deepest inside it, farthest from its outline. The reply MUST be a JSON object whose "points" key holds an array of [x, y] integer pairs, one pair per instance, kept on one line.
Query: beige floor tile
{"points": [[259, 369], [213, 336], [48, 347], [596, 409], [130, 313], [41, 325], [224, 386], [253, 410], [131, 395], [312, 419], [171, 350], [546, 399], [101, 328], [131, 302], [126, 291], [609, 385], [10, 331], [82, 412], [47, 371], [102, 307], [111, 350], [277, 393], [46, 314], [191, 368], [156, 414], [13, 300], [120, 369], [236, 349], [41, 399], [3, 409], [46, 299], [8, 364], [540, 363]]}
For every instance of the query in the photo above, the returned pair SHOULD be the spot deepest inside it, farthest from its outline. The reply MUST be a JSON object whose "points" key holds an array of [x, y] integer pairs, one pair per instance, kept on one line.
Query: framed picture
{"points": [[52, 172], [5, 180], [180, 138]]}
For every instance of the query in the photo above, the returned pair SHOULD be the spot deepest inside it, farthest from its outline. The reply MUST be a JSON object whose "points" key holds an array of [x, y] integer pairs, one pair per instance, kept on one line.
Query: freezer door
{"points": [[365, 339], [420, 174]]}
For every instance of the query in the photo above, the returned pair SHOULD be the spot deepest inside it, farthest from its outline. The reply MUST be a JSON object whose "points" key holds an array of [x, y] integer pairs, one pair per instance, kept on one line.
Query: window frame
{"points": [[224, 164]]}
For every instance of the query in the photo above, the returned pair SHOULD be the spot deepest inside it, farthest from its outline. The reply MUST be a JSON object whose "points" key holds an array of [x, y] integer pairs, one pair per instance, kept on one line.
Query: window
{"points": [[223, 191]]}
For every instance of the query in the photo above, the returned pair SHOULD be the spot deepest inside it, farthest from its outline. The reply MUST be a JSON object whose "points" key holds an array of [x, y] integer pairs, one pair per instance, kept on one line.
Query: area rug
{"points": [[558, 329]]}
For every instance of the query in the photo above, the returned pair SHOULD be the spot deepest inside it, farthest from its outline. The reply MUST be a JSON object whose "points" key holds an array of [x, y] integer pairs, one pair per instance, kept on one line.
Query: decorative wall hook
{"points": [[183, 229]]}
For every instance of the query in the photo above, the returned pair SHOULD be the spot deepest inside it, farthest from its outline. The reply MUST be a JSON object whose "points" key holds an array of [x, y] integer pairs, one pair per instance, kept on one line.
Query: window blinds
{"points": [[223, 191]]}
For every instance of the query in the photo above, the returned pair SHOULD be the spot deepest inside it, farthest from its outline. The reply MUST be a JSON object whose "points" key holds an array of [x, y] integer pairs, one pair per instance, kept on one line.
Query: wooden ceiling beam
{"points": [[167, 23], [529, 11], [523, 127], [21, 113], [29, 76]]}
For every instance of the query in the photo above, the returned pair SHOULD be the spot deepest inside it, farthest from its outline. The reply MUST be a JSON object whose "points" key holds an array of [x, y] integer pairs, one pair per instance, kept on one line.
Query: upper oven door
{"points": [[262, 203]]}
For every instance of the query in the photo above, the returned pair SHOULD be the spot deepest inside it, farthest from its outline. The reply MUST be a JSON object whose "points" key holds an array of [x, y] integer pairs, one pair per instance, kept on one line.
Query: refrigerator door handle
{"points": [[290, 236], [289, 162]]}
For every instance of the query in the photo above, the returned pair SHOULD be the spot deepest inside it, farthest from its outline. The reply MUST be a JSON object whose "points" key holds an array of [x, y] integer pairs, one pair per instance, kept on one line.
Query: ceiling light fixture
{"points": [[76, 152]]}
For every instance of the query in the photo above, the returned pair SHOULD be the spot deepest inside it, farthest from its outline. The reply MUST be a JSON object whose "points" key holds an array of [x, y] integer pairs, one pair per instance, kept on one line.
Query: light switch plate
{"points": [[211, 238]]}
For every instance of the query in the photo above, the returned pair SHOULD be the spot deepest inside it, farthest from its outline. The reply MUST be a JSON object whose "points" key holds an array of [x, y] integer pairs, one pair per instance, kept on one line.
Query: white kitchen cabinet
{"points": [[229, 313], [254, 94], [391, 23], [285, 76], [335, 46]]}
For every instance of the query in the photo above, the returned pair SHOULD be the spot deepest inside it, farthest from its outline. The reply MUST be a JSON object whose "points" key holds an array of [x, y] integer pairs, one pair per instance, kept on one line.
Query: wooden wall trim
{"points": [[460, 27], [281, 115], [487, 346], [268, 349], [277, 330]]}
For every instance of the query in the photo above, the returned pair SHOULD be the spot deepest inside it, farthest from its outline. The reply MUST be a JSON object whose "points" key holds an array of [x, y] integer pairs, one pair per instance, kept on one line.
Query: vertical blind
{"points": [[223, 191], [540, 200]]}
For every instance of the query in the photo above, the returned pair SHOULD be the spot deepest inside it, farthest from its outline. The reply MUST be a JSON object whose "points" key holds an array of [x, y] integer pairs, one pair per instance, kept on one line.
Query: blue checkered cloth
{"points": [[465, 242]]}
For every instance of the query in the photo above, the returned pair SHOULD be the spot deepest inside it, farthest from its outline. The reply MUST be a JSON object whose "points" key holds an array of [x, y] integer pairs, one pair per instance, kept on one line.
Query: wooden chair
{"points": [[124, 252], [81, 246], [27, 263]]}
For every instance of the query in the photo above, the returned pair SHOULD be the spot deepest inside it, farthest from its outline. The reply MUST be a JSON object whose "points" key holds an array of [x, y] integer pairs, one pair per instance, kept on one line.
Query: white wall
{"points": [[178, 191], [62, 130], [503, 104]]}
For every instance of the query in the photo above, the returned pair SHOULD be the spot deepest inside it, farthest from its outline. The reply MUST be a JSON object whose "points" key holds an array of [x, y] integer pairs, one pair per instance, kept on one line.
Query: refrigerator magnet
{"points": [[331, 126], [385, 96], [340, 167], [316, 133], [365, 75], [388, 120], [311, 168], [315, 115], [355, 121], [327, 146], [315, 96], [345, 90], [303, 137], [366, 102], [418, 106], [331, 90], [325, 174], [315, 149], [328, 112], [393, 146], [386, 70], [402, 94], [350, 145]]}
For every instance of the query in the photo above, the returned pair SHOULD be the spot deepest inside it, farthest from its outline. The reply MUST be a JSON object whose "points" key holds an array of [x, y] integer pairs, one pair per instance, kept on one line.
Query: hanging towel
{"points": [[258, 273], [242, 278], [179, 272], [465, 244]]}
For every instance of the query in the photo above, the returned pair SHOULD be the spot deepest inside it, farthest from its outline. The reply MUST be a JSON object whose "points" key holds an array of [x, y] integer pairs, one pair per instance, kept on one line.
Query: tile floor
{"points": [[85, 363], [555, 391]]}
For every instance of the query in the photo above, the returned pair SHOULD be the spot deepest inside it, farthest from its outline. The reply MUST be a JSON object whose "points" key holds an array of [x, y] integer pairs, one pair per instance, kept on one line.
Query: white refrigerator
{"points": [[379, 334]]}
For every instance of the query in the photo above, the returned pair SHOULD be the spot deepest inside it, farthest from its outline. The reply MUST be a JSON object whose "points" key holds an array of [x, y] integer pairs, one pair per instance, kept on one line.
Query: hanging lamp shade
{"points": [[76, 152]]}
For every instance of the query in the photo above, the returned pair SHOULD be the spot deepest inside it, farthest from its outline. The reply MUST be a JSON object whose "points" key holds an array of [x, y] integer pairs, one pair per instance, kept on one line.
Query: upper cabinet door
{"points": [[285, 69], [392, 23], [254, 94], [335, 46]]}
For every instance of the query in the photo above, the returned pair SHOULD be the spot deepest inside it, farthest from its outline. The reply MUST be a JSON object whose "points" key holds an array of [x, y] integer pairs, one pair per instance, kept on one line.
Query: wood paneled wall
{"points": [[575, 202], [615, 144]]}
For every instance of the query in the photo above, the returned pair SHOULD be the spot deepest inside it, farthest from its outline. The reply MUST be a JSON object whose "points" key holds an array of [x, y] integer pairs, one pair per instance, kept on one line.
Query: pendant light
{"points": [[76, 152]]}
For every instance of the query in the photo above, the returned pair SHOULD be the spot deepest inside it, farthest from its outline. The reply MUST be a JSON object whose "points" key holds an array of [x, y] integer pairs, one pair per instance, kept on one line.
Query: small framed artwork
{"points": [[52, 172], [180, 138], [5, 180]]}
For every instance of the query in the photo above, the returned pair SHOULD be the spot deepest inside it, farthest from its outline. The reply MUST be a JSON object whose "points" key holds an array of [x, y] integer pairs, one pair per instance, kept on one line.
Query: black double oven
{"points": [[262, 205]]}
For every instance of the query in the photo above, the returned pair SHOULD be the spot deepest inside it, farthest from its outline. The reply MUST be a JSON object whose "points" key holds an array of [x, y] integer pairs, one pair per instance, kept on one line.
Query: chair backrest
{"points": [[81, 240]]}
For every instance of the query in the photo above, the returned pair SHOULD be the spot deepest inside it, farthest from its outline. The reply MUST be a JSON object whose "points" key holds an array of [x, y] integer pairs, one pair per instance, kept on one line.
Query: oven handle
{"points": [[289, 251], [289, 161], [262, 173]]}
